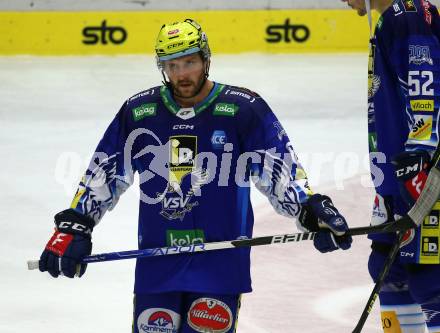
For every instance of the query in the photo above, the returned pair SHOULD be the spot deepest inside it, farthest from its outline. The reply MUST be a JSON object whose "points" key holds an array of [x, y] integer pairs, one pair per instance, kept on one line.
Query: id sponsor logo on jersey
{"points": [[409, 6], [183, 151], [420, 54], [430, 246], [210, 315], [158, 320], [432, 220], [422, 105], [422, 128], [185, 237], [225, 109], [218, 139], [145, 110]]}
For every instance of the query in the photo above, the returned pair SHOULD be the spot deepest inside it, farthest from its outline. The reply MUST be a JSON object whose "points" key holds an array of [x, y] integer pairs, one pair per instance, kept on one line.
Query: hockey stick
{"points": [[203, 247], [383, 274], [415, 216]]}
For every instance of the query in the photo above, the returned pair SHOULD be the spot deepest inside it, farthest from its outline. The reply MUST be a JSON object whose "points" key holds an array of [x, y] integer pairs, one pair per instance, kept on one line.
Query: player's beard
{"points": [[188, 88]]}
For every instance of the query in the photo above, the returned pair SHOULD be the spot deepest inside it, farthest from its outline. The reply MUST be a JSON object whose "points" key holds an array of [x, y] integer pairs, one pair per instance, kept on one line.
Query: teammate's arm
{"points": [[419, 78]]}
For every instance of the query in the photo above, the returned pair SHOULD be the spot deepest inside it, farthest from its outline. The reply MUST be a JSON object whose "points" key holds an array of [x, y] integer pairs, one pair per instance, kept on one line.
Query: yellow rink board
{"points": [[134, 32]]}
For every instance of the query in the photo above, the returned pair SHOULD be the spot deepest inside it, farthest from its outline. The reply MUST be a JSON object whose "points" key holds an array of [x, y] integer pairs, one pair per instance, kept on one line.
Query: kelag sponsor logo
{"points": [[287, 32], [225, 109], [104, 34], [145, 110], [185, 237]]}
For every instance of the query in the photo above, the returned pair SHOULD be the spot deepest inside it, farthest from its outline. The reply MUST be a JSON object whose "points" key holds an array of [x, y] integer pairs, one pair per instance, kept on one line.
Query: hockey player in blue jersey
{"points": [[403, 125], [195, 144]]}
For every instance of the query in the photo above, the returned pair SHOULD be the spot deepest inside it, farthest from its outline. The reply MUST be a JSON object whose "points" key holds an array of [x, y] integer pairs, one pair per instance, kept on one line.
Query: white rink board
{"points": [[53, 107]]}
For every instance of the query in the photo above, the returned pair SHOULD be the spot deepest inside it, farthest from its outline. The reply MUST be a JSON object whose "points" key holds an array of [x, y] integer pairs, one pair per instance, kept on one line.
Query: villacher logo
{"points": [[287, 32], [104, 34]]}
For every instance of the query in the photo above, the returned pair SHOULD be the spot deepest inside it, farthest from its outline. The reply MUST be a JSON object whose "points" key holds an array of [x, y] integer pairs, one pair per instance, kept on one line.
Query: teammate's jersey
{"points": [[194, 167], [403, 105]]}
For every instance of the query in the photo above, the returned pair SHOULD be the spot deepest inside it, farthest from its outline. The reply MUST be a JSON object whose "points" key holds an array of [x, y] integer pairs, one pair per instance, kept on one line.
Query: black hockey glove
{"points": [[70, 243], [411, 169], [319, 214]]}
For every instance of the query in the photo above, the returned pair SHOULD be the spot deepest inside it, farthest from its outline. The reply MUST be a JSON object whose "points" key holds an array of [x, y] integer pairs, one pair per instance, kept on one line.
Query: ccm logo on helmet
{"points": [[172, 46]]}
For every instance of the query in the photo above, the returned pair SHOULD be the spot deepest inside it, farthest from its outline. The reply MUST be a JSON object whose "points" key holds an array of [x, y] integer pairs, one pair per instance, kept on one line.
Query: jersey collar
{"points": [[174, 108]]}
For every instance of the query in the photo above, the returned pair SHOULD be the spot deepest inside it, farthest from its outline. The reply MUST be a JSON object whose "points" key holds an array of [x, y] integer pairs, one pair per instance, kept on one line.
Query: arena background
{"points": [[67, 66]]}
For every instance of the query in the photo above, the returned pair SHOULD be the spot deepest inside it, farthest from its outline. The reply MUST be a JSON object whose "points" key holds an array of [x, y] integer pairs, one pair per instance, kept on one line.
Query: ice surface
{"points": [[53, 112]]}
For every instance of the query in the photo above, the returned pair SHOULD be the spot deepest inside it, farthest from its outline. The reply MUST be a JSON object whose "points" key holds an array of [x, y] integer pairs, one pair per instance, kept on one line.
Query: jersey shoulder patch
{"points": [[241, 93], [150, 92]]}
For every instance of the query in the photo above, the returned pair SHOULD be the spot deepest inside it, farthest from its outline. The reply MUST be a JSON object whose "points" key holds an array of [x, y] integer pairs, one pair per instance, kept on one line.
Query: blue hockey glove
{"points": [[411, 169], [320, 215], [70, 243]]}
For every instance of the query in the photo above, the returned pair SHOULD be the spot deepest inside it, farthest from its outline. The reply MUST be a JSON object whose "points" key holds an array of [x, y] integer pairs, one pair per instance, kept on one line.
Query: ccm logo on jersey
{"points": [[183, 127]]}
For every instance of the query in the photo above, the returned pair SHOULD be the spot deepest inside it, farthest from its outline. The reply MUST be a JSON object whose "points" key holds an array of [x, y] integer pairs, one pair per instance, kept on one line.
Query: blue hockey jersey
{"points": [[194, 166], [403, 109]]}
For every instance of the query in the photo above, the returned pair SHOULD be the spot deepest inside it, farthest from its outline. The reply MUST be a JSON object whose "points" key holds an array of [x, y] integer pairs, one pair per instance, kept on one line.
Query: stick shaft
{"points": [[379, 283], [203, 247]]}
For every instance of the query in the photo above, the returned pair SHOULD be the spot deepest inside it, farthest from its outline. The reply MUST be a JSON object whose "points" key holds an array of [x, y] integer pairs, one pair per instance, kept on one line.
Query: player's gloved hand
{"points": [[411, 170], [70, 243], [320, 215]]}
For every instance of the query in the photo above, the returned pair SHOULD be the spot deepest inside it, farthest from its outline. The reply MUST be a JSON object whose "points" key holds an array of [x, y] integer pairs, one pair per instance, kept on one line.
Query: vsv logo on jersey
{"points": [[185, 237], [145, 110], [422, 105], [225, 109], [422, 128], [218, 139], [175, 202]]}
